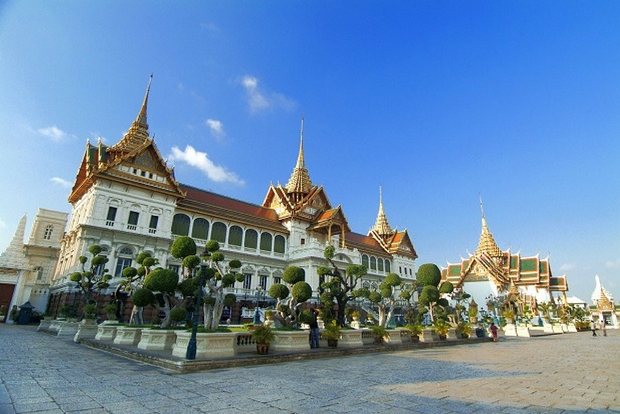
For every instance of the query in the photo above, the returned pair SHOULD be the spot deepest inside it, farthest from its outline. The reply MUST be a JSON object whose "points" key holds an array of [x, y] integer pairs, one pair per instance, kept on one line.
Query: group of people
{"points": [[593, 327]]}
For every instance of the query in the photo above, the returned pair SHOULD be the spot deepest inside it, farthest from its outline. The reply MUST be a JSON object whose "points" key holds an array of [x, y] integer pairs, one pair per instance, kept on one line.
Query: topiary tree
{"points": [[94, 277], [290, 297], [429, 275], [215, 281], [339, 288], [385, 298], [163, 283], [134, 279]]}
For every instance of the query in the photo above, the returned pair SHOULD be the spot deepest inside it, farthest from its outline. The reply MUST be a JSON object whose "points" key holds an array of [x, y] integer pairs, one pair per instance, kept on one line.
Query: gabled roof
{"points": [[135, 151]]}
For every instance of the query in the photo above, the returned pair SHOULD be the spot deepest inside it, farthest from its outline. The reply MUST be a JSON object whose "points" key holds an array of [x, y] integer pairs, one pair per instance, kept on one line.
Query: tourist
{"points": [[604, 327], [314, 329], [593, 327], [493, 329]]}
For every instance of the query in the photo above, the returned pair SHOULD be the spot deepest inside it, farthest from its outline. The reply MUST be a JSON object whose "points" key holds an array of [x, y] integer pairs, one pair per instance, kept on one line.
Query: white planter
{"points": [[127, 335], [350, 338], [44, 325], [87, 329], [510, 329], [157, 339], [557, 329], [291, 341], [523, 331], [106, 332], [395, 336], [68, 329], [208, 345], [572, 327], [429, 335]]}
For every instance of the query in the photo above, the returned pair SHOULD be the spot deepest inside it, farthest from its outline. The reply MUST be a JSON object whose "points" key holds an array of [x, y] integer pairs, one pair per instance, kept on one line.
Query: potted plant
{"points": [[463, 329], [415, 329], [380, 333], [441, 328], [263, 335], [90, 311], [332, 334], [110, 311], [355, 315]]}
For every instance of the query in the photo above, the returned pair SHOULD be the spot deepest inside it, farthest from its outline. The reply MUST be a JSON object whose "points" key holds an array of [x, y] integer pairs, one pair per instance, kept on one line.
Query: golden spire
{"points": [[139, 130], [487, 242], [299, 184], [382, 226]]}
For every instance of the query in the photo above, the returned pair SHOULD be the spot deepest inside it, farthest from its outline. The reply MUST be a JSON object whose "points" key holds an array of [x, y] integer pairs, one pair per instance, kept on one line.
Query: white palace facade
{"points": [[127, 200]]}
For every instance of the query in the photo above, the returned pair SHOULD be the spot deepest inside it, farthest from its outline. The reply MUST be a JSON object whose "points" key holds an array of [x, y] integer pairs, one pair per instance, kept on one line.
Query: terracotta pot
{"points": [[262, 349]]}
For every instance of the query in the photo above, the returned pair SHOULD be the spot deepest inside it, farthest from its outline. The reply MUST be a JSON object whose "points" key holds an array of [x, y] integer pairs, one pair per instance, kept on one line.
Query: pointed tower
{"points": [[138, 133], [299, 185], [382, 227], [487, 242], [13, 256]]}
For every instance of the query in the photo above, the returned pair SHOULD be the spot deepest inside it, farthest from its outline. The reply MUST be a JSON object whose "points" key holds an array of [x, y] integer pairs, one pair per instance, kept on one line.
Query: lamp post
{"points": [[191, 346], [256, 311]]}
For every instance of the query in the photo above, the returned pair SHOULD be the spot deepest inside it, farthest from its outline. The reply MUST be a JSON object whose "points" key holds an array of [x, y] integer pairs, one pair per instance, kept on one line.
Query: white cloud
{"points": [[59, 181], [54, 133], [612, 264], [216, 127], [201, 161], [259, 100], [567, 267]]}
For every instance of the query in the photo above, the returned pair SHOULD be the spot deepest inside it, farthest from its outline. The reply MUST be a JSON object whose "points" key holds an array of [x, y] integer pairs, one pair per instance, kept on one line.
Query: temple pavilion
{"points": [[490, 272]]}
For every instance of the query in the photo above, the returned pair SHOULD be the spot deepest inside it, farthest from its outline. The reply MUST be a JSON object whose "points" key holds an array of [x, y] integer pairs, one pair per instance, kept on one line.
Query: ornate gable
{"points": [[134, 158]]}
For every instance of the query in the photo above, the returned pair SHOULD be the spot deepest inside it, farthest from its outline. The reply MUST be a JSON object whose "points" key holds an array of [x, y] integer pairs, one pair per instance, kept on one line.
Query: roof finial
{"points": [[382, 227], [138, 133], [481, 205], [300, 183]]}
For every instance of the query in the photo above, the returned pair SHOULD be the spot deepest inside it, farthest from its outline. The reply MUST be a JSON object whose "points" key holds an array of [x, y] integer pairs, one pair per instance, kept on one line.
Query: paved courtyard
{"points": [[571, 373]]}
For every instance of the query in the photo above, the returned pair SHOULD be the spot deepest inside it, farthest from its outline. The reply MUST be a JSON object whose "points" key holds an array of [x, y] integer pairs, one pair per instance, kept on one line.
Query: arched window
{"points": [[380, 264], [251, 239], [265, 242], [123, 261], [279, 244], [387, 266], [200, 229], [235, 236], [365, 260], [180, 225], [373, 263], [218, 232]]}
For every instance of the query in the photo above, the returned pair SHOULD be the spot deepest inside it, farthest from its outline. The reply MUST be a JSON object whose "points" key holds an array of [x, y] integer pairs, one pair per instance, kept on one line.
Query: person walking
{"points": [[593, 327], [314, 329], [604, 327], [493, 329]]}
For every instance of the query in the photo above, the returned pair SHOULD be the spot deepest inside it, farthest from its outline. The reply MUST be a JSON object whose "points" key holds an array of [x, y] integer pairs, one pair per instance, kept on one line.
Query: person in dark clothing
{"points": [[314, 329]]}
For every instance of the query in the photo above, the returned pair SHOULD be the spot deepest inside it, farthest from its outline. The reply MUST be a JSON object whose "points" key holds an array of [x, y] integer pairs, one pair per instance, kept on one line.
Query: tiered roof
{"points": [[135, 151], [503, 268]]}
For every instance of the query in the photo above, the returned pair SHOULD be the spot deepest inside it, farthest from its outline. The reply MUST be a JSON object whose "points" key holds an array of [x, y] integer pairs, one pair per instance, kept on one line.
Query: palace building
{"points": [[489, 271], [26, 269], [127, 200]]}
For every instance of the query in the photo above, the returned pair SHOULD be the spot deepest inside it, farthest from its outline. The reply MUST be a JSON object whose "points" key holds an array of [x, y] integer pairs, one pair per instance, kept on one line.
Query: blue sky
{"points": [[438, 102]]}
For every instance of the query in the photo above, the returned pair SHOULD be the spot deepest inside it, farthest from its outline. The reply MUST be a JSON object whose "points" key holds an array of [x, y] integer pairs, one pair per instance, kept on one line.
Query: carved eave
{"points": [[331, 222], [401, 244], [307, 209], [145, 157]]}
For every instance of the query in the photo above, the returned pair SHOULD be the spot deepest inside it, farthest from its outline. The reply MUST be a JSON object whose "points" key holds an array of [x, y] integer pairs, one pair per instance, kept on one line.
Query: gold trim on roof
{"points": [[299, 184], [138, 133]]}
